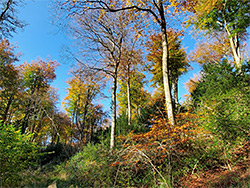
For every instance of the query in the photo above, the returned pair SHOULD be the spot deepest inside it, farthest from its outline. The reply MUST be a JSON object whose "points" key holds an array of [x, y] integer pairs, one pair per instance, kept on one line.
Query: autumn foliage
{"points": [[121, 123], [158, 146]]}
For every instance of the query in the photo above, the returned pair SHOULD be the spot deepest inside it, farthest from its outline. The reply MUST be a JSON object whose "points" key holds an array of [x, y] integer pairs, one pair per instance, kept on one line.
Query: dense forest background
{"points": [[146, 139]]}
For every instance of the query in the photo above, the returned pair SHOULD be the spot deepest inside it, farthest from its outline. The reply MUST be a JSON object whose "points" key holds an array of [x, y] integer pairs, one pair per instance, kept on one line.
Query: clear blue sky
{"points": [[39, 39]]}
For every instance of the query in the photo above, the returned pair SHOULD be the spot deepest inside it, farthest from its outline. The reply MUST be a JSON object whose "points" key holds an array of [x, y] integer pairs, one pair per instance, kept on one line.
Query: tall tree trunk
{"points": [[113, 123], [6, 111], [165, 54], [83, 123], [175, 91], [25, 120], [235, 45], [129, 102]]}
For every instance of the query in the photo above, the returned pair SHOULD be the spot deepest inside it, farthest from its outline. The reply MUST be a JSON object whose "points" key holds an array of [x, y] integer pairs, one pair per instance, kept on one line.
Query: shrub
{"points": [[222, 97], [88, 168], [16, 154], [56, 153]]}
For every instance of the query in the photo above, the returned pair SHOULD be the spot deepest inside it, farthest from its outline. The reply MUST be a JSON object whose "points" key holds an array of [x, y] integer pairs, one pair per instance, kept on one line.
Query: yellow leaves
{"points": [[211, 50], [128, 3], [207, 6], [192, 83]]}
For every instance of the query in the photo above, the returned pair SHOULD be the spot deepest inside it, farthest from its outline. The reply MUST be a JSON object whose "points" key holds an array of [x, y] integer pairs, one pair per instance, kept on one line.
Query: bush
{"points": [[56, 153], [16, 155], [222, 98], [88, 168]]}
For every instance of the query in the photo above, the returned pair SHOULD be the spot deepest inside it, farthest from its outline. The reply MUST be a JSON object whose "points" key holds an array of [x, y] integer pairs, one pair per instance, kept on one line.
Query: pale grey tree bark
{"points": [[175, 91], [165, 71], [129, 100]]}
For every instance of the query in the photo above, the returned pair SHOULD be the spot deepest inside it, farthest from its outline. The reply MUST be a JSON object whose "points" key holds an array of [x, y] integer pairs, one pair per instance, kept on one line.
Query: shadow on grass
{"points": [[236, 178]]}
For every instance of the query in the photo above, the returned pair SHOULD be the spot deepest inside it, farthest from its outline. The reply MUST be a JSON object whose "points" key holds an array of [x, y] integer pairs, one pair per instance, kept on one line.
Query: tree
{"points": [[130, 76], [80, 104], [16, 155], [36, 78], [9, 80], [177, 60], [8, 17], [138, 96], [212, 50], [42, 118], [157, 9], [104, 34], [222, 97], [231, 17], [61, 131]]}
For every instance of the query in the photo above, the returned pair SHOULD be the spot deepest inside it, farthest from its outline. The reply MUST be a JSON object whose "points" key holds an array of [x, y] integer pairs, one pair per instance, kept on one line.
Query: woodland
{"points": [[145, 139]]}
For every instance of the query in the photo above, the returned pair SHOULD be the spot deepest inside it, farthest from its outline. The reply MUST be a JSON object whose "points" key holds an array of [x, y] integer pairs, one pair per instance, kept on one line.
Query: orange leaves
{"points": [[115, 163], [211, 50], [41, 68], [161, 140], [192, 83]]}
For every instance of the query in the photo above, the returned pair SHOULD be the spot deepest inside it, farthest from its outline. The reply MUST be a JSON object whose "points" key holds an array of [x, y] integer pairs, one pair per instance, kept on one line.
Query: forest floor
{"points": [[238, 176]]}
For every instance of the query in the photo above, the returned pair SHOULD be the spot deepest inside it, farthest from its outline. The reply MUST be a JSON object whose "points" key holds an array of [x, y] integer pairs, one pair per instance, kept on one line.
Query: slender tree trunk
{"points": [[170, 167], [235, 46], [83, 123], [113, 123], [169, 104], [36, 128], [72, 126], [25, 121], [129, 102], [175, 91], [168, 97], [5, 115], [234, 43]]}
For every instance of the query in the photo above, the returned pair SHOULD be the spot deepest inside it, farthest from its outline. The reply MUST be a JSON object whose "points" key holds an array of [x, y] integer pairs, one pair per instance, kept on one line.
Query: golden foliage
{"points": [[162, 140]]}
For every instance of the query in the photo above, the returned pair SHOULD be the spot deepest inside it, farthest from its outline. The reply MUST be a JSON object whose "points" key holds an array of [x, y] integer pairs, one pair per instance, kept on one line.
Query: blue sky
{"points": [[39, 39]]}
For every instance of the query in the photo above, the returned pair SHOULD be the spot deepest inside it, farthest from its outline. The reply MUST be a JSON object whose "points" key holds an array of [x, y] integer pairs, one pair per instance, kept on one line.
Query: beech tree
{"points": [[137, 97], [231, 17], [103, 36], [158, 10], [36, 78], [130, 73], [79, 105], [42, 117], [9, 80], [178, 63], [212, 50]]}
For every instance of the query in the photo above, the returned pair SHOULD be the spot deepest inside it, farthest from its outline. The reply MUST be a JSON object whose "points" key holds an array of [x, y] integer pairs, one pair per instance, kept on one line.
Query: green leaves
{"points": [[177, 57], [213, 15], [16, 154], [222, 98]]}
